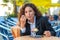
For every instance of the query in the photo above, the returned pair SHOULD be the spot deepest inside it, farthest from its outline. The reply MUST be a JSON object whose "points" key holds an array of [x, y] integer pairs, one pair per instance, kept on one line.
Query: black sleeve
{"points": [[27, 32], [47, 26], [22, 34]]}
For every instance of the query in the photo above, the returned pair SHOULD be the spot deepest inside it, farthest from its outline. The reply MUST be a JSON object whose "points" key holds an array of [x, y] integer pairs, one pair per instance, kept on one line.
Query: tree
{"points": [[5, 1], [20, 2], [59, 2], [14, 5]]}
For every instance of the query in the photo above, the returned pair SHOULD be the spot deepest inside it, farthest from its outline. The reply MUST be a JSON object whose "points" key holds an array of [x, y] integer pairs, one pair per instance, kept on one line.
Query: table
{"points": [[31, 38]]}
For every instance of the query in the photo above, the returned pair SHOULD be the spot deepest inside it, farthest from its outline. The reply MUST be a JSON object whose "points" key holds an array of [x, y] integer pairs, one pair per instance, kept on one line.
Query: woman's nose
{"points": [[28, 13]]}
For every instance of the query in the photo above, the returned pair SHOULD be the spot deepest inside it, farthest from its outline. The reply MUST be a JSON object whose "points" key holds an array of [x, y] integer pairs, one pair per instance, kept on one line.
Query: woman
{"points": [[29, 18]]}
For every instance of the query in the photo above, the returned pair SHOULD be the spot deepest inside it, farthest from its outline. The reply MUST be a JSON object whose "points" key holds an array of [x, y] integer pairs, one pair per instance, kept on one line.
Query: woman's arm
{"points": [[47, 27]]}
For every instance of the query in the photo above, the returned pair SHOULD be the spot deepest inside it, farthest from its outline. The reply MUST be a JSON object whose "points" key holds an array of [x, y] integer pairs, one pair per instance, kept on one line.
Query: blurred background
{"points": [[10, 8]]}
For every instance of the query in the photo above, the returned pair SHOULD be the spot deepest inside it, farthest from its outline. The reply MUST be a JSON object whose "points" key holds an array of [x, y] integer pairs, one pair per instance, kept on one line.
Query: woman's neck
{"points": [[32, 20]]}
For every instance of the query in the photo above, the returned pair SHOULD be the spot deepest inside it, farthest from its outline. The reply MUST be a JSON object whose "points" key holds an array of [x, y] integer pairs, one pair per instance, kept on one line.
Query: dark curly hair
{"points": [[22, 10]]}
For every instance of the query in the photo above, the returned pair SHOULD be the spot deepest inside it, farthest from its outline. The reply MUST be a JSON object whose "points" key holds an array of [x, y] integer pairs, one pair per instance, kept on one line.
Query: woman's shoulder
{"points": [[43, 18]]}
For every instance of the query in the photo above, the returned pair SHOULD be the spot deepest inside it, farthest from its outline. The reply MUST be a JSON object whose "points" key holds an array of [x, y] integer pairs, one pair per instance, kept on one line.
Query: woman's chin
{"points": [[29, 18]]}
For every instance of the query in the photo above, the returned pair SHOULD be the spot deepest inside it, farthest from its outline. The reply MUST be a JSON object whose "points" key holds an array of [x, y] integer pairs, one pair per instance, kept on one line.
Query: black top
{"points": [[42, 25]]}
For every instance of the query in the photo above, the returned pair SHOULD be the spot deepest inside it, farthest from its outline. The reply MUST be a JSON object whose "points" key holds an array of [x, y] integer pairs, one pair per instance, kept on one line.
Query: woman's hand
{"points": [[22, 21], [47, 33]]}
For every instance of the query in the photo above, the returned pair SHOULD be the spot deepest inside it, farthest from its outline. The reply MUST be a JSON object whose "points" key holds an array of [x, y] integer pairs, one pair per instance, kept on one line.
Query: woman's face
{"points": [[29, 13]]}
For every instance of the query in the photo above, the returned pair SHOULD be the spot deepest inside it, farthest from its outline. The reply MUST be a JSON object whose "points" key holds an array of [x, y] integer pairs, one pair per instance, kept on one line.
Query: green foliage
{"points": [[12, 1], [13, 15], [59, 1], [5, 1], [43, 9]]}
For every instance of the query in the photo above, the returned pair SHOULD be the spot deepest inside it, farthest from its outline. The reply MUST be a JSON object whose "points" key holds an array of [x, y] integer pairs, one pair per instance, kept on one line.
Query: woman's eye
{"points": [[25, 11], [30, 11]]}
